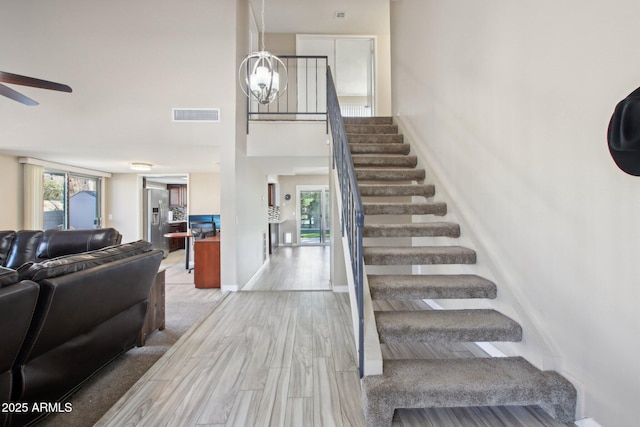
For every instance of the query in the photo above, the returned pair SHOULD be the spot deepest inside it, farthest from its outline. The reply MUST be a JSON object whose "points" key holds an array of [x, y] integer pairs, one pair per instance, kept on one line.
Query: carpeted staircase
{"points": [[386, 171]]}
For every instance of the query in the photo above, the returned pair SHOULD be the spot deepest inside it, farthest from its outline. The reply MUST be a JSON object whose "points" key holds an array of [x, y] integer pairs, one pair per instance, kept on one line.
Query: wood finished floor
{"points": [[300, 268], [286, 358]]}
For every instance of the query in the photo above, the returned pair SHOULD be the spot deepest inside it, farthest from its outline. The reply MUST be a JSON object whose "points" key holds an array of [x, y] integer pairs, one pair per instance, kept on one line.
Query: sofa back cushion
{"points": [[8, 277], [6, 240], [55, 267], [24, 248], [56, 243]]}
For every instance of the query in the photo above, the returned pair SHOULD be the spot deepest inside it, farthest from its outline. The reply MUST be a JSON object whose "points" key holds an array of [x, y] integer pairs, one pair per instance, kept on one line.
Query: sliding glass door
{"points": [[70, 201], [313, 215]]}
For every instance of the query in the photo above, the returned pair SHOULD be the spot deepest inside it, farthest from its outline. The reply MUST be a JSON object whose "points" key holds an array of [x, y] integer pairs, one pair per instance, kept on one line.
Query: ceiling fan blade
{"points": [[33, 82], [17, 96]]}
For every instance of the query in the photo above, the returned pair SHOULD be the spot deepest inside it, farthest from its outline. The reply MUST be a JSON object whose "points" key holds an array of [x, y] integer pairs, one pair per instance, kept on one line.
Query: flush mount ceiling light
{"points": [[263, 76], [140, 166]]}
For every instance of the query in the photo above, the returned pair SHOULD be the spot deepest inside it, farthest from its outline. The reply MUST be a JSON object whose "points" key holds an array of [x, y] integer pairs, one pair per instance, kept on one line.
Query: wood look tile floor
{"points": [[286, 358]]}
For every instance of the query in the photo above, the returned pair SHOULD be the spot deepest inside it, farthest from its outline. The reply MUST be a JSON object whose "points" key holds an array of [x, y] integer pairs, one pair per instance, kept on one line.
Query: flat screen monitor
{"points": [[202, 224], [205, 221]]}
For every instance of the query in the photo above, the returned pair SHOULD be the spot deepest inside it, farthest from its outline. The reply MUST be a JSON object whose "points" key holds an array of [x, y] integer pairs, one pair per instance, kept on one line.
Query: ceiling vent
{"points": [[341, 15], [207, 115]]}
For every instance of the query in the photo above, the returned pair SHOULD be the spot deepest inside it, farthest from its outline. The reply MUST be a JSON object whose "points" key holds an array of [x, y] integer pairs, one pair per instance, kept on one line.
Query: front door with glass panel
{"points": [[313, 215]]}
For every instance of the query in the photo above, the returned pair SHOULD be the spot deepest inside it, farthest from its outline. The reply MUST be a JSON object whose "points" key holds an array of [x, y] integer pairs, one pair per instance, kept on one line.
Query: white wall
{"points": [[11, 190], [124, 205], [204, 193], [510, 102]]}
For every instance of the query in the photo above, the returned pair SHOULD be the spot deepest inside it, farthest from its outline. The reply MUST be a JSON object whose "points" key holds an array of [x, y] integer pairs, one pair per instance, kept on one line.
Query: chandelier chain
{"points": [[263, 29]]}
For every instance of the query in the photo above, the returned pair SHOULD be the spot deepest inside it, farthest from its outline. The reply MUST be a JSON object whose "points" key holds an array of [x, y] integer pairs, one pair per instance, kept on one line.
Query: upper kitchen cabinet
{"points": [[177, 195]]}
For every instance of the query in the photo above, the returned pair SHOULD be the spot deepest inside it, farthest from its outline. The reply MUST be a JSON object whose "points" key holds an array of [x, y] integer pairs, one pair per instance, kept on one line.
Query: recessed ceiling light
{"points": [[140, 166]]}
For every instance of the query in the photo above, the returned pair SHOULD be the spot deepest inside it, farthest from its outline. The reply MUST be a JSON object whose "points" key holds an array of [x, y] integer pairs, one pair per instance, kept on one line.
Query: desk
{"points": [[187, 243], [206, 268]]}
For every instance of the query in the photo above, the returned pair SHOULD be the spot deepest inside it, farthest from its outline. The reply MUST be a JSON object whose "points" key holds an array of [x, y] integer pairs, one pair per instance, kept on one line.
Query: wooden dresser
{"points": [[206, 269]]}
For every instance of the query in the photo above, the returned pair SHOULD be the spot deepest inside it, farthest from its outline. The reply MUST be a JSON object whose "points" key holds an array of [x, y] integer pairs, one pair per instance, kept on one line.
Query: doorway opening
{"points": [[312, 212]]}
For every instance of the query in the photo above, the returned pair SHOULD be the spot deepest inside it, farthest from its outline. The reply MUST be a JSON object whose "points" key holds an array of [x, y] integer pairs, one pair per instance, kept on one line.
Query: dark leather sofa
{"points": [[70, 302]]}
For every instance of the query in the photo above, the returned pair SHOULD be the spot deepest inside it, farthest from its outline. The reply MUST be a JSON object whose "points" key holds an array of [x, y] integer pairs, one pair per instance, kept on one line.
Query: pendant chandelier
{"points": [[263, 76]]}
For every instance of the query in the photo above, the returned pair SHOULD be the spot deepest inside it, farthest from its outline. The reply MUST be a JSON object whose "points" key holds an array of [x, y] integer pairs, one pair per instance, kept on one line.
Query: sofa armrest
{"points": [[76, 303], [17, 305]]}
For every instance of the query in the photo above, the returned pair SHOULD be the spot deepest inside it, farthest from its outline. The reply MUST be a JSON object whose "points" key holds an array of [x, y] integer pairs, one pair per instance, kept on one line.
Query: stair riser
{"points": [[363, 138], [385, 161], [432, 286], [371, 129], [418, 259], [397, 190], [439, 209], [421, 326], [380, 148], [390, 175], [412, 231], [380, 120]]}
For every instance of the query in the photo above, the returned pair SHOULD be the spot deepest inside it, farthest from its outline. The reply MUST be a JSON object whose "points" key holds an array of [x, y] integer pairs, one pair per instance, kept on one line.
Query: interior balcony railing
{"points": [[306, 94], [352, 209]]}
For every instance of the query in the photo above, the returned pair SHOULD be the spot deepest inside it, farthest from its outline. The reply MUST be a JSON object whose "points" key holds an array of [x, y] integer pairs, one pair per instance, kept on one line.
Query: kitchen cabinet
{"points": [[177, 227], [177, 195]]}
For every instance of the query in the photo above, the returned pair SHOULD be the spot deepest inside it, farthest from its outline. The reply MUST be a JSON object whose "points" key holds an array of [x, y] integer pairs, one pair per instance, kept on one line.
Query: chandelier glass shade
{"points": [[261, 74]]}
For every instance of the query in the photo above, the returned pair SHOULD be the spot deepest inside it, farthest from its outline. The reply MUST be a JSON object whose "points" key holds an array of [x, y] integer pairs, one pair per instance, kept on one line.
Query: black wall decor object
{"points": [[623, 135]]}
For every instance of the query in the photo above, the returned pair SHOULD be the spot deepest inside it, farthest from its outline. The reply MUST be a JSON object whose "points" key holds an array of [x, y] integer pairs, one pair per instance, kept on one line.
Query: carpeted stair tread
{"points": [[394, 161], [402, 327], [380, 120], [436, 286], [380, 138], [371, 129], [392, 190], [464, 382], [389, 174], [417, 229], [379, 148], [428, 208], [418, 255]]}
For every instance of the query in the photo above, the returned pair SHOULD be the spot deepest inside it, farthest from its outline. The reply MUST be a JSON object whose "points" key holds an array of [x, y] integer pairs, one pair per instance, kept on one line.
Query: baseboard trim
{"points": [[341, 289], [587, 422], [229, 288]]}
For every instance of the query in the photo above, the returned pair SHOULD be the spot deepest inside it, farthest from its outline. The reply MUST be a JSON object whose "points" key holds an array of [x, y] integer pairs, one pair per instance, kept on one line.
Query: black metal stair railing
{"points": [[352, 210], [305, 96]]}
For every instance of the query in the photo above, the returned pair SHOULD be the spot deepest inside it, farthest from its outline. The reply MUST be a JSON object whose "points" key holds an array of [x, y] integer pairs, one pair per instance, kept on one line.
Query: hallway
{"points": [[284, 358], [294, 268], [260, 358]]}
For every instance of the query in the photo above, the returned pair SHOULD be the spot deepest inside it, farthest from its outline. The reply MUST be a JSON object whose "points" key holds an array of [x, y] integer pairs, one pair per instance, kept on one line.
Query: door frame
{"points": [[332, 58], [325, 225]]}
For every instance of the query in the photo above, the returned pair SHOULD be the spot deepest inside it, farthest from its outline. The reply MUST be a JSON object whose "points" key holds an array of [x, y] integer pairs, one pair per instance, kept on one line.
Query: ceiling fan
{"points": [[26, 81]]}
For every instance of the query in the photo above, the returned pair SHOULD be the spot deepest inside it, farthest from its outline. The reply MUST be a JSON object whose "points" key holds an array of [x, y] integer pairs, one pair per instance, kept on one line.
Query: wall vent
{"points": [[341, 15], [209, 115]]}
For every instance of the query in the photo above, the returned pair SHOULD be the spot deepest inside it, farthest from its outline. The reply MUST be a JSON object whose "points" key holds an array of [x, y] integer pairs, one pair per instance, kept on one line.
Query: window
{"points": [[71, 201]]}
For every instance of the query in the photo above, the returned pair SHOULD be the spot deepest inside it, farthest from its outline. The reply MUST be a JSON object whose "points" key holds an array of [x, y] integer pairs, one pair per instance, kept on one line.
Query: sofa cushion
{"points": [[24, 248], [8, 277], [57, 243], [72, 263], [6, 240]]}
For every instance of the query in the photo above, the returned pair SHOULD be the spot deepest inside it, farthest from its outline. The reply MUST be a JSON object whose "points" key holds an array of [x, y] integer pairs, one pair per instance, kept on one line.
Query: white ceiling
{"points": [[129, 63]]}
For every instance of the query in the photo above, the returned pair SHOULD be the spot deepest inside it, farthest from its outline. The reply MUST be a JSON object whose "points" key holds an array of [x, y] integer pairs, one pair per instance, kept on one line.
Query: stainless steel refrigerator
{"points": [[156, 218]]}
